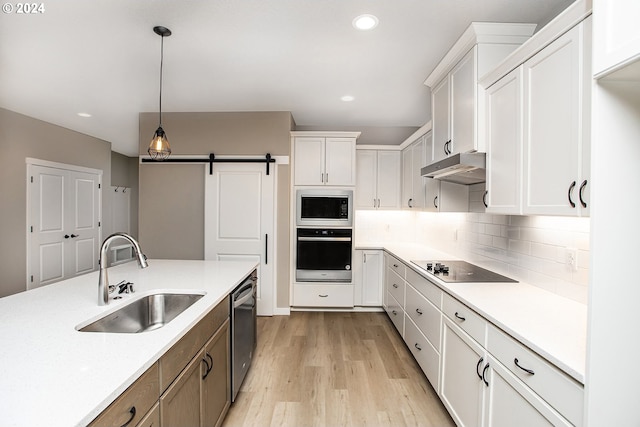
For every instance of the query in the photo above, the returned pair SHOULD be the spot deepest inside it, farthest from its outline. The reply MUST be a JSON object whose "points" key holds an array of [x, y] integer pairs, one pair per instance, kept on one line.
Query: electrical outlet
{"points": [[572, 258]]}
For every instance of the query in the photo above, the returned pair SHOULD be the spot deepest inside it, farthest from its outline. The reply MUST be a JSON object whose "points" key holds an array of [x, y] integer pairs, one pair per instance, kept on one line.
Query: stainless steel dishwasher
{"points": [[243, 330]]}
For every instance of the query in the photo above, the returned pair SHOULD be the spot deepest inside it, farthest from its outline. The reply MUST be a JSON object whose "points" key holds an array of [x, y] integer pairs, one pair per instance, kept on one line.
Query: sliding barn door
{"points": [[239, 219]]}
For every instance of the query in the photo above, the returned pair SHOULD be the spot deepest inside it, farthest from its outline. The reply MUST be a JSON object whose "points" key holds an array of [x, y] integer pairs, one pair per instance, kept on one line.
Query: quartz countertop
{"points": [[553, 326], [53, 375]]}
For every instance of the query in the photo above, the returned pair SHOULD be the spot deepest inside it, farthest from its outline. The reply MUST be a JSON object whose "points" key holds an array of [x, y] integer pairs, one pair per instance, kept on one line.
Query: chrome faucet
{"points": [[103, 281]]}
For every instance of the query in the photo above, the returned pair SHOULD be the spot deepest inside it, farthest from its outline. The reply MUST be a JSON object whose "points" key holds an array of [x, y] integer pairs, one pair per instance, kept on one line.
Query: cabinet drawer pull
{"points": [[528, 371], [132, 411], [484, 371], [395, 265], [395, 286], [478, 367], [395, 313], [459, 317], [416, 345], [419, 311], [582, 202], [571, 187], [435, 202], [409, 203], [323, 295]]}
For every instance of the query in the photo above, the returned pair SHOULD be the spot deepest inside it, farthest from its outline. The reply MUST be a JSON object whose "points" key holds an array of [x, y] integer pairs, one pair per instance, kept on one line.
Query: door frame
{"points": [[30, 162]]}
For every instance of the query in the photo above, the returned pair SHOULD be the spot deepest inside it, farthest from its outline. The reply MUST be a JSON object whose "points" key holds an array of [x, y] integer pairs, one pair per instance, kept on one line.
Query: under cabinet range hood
{"points": [[461, 168]]}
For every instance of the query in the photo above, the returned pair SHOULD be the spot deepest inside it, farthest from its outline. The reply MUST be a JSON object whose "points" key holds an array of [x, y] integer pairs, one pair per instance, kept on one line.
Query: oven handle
{"points": [[324, 239]]}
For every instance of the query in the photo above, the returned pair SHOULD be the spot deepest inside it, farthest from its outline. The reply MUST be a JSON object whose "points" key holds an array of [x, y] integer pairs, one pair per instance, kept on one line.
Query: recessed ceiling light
{"points": [[347, 98], [84, 114], [365, 22]]}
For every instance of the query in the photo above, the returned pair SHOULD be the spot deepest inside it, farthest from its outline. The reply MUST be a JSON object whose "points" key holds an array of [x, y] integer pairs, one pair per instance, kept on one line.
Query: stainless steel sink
{"points": [[145, 314]]}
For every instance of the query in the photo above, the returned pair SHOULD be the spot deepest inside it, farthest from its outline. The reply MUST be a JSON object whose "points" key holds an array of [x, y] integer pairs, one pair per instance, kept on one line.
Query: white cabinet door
{"points": [[366, 179], [378, 176], [463, 104], [440, 109], [504, 145], [552, 122], [372, 278], [431, 186], [407, 181], [388, 179], [617, 34], [462, 386], [309, 161], [340, 161], [417, 161], [510, 403]]}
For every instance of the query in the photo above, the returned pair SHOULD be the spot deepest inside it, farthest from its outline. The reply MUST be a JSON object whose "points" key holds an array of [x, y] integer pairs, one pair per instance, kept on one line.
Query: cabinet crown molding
{"points": [[477, 33], [325, 134]]}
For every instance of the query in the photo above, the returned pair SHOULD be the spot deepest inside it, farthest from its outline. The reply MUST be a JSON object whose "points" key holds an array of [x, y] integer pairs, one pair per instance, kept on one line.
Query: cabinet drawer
{"points": [[554, 386], [152, 419], [425, 315], [398, 266], [395, 313], [323, 295], [465, 318], [395, 286], [178, 356], [425, 354], [425, 287], [141, 395]]}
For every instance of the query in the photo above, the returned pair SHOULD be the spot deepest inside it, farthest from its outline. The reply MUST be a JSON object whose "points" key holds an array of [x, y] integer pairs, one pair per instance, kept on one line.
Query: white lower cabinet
{"points": [[484, 377], [368, 278], [462, 385], [323, 295]]}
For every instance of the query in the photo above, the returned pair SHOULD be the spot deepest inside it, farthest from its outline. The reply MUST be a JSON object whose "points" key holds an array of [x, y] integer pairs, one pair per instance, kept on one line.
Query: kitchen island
{"points": [[51, 374]]}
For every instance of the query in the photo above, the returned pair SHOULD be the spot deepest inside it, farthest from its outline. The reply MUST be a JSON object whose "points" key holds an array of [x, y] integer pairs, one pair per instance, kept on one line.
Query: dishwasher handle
{"points": [[244, 297]]}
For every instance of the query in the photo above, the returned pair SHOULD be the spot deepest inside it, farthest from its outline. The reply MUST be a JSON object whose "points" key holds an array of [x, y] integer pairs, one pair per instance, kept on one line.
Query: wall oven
{"points": [[324, 208], [323, 254]]}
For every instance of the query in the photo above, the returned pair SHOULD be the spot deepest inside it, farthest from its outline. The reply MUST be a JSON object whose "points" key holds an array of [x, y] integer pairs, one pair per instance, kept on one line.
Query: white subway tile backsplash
{"points": [[528, 249]]}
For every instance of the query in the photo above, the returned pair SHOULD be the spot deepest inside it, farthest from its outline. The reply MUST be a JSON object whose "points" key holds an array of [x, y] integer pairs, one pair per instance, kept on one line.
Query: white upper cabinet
{"points": [[616, 41], [504, 145], [557, 126], [457, 98], [328, 159], [413, 160], [538, 120], [377, 179]]}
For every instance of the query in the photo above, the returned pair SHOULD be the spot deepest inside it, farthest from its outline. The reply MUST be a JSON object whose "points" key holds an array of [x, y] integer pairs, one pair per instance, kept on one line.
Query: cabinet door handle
{"points": [[528, 371], [395, 285], [395, 265], [484, 199], [378, 203], [66, 236], [211, 359], [459, 317], [571, 187], [449, 146], [323, 295], [266, 249], [395, 313], [419, 311], [207, 368], [435, 202], [582, 202], [478, 367], [409, 203], [416, 345], [132, 411], [326, 176], [484, 371], [364, 258]]}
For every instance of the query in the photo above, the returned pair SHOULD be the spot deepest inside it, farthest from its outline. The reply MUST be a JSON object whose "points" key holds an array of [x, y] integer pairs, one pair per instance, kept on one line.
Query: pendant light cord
{"points": [[161, 63]]}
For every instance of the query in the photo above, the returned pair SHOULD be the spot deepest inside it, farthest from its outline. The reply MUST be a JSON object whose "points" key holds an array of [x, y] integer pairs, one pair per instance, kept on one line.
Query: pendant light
{"points": [[159, 148]]}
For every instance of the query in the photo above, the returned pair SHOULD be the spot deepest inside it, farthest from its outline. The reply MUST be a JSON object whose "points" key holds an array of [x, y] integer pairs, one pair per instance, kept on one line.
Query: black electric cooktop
{"points": [[460, 272]]}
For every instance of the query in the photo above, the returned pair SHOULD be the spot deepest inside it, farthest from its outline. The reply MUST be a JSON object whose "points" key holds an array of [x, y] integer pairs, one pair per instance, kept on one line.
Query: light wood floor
{"points": [[334, 369]]}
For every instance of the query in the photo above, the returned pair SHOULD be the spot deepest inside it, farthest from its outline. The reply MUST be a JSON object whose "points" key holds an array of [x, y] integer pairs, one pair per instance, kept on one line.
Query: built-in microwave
{"points": [[324, 208]]}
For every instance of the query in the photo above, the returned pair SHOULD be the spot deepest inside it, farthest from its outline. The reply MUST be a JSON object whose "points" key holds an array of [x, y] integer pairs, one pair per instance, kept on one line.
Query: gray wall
{"points": [[124, 173], [22, 137], [171, 203]]}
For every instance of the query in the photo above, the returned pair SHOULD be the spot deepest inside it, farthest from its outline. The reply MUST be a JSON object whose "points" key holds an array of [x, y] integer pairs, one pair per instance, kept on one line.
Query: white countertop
{"points": [[53, 375], [553, 326]]}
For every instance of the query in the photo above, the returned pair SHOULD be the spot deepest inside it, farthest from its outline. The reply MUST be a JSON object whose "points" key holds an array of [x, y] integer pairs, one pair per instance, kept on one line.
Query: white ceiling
{"points": [[102, 57]]}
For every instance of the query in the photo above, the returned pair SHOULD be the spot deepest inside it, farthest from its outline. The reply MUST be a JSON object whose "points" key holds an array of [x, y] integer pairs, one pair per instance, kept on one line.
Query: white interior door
{"points": [[64, 224], [239, 217]]}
